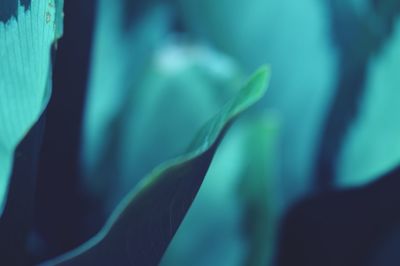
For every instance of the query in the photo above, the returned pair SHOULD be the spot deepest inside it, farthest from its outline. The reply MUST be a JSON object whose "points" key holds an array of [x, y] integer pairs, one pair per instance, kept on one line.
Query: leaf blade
{"points": [[142, 226]]}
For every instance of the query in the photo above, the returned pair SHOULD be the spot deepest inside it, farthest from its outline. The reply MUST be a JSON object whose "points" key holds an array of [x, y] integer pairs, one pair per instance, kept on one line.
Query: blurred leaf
{"points": [[268, 31], [258, 189], [360, 34], [148, 129], [143, 224], [120, 60], [373, 146]]}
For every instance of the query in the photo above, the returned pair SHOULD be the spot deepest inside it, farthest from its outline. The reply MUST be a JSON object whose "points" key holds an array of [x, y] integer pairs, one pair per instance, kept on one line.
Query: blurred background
{"points": [[301, 179]]}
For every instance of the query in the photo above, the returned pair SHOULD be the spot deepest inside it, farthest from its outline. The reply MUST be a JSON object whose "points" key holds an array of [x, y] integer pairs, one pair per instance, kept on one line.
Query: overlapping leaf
{"points": [[142, 226]]}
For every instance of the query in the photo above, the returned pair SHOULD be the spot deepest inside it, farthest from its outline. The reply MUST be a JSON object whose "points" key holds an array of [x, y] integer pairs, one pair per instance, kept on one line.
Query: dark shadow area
{"points": [[17, 218], [61, 214], [344, 227]]}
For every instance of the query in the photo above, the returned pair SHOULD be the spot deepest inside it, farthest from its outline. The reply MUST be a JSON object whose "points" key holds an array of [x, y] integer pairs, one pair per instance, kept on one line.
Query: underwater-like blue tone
{"points": [[124, 141]]}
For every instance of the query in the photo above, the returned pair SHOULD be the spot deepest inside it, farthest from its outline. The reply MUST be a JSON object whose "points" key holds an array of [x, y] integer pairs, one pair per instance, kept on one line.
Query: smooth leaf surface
{"points": [[140, 229], [231, 221], [372, 146], [211, 232]]}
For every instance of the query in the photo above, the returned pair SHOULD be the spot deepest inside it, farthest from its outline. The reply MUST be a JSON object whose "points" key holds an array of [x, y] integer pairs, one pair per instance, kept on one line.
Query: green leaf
{"points": [[372, 147], [232, 220], [146, 129], [140, 229], [255, 38], [211, 232], [258, 189], [26, 40], [25, 76], [122, 56]]}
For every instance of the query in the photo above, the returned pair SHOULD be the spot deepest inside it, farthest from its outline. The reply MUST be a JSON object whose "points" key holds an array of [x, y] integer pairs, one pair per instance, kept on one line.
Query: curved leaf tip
{"points": [[144, 223], [253, 90]]}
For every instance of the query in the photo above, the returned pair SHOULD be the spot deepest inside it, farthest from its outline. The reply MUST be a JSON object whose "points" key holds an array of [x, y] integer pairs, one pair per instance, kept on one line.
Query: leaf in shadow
{"points": [[141, 227]]}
